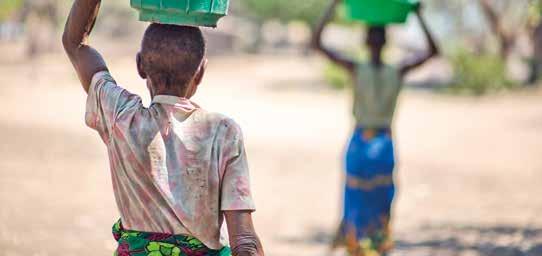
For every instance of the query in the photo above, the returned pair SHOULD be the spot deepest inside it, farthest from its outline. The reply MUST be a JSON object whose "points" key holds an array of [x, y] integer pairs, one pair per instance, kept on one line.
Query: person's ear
{"points": [[201, 72], [140, 69], [197, 80]]}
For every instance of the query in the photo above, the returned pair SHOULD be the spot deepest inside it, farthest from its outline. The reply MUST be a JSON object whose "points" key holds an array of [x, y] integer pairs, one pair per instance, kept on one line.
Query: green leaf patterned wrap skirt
{"points": [[136, 243]]}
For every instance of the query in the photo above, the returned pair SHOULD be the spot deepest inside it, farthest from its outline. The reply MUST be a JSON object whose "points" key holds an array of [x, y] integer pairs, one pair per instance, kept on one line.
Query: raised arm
{"points": [[420, 59], [317, 40], [243, 238], [86, 60]]}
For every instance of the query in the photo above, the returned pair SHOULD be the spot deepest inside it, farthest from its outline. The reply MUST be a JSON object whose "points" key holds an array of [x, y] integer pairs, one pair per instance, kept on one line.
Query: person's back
{"points": [[175, 166], [177, 169], [375, 90]]}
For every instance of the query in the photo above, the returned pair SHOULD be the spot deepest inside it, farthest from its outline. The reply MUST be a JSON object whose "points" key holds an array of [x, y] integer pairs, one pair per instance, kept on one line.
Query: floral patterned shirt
{"points": [[175, 167]]}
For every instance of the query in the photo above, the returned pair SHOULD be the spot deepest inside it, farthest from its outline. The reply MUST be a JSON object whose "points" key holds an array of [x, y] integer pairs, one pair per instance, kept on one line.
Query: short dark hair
{"points": [[171, 54], [376, 35]]}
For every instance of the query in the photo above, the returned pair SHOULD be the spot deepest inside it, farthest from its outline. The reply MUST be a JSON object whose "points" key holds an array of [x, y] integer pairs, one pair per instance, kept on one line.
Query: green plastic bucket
{"points": [[380, 12], [182, 12]]}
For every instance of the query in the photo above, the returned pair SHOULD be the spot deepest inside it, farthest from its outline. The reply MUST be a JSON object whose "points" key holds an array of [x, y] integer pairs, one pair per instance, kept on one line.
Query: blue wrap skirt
{"points": [[369, 192]]}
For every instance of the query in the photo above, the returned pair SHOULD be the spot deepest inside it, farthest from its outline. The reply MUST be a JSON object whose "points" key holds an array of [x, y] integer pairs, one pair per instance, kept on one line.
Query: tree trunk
{"points": [[41, 20], [506, 41], [536, 64]]}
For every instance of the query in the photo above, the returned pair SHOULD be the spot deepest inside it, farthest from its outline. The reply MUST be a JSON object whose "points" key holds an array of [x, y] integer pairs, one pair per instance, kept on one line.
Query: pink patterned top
{"points": [[175, 167]]}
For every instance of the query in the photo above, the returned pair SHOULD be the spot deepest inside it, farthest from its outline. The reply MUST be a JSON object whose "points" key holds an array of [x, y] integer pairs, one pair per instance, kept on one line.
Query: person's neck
{"points": [[168, 92], [377, 63], [376, 59]]}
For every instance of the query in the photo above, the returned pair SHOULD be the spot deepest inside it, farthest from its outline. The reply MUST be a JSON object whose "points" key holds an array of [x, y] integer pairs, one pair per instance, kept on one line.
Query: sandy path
{"points": [[469, 168]]}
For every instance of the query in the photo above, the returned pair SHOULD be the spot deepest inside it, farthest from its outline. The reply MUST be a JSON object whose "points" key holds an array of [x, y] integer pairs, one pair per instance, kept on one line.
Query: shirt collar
{"points": [[177, 102]]}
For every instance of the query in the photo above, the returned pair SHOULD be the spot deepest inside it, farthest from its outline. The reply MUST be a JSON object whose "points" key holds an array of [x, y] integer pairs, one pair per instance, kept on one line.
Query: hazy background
{"points": [[468, 127]]}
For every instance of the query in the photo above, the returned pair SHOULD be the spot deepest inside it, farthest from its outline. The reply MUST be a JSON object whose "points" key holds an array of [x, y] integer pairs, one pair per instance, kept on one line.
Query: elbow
{"points": [[68, 44], [317, 46], [316, 42], [435, 52]]}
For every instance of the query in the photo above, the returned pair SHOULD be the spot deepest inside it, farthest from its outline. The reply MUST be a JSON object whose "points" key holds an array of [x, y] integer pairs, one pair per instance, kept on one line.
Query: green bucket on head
{"points": [[182, 12], [380, 12]]}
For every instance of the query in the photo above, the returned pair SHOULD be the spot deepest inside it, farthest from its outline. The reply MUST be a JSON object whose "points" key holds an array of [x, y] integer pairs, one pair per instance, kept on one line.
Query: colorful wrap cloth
{"points": [[135, 243], [369, 192]]}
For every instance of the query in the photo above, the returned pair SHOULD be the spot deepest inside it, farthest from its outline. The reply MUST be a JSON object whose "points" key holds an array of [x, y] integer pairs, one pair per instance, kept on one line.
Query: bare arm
{"points": [[317, 40], [243, 238], [86, 60], [420, 59]]}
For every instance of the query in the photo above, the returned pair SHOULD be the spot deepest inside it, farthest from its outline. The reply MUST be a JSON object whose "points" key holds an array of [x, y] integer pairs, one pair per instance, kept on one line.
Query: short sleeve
{"points": [[105, 101], [236, 192]]}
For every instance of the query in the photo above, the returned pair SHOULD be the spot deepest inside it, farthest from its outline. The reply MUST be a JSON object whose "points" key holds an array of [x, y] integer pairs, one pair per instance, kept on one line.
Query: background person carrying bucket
{"points": [[370, 159], [178, 171]]}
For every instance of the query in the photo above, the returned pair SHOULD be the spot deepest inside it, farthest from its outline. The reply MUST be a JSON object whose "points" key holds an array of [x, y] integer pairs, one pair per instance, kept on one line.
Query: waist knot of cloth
{"points": [[137, 243], [371, 133]]}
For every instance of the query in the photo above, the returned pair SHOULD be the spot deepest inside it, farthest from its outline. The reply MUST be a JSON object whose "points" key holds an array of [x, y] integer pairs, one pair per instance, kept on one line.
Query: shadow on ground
{"points": [[453, 239]]}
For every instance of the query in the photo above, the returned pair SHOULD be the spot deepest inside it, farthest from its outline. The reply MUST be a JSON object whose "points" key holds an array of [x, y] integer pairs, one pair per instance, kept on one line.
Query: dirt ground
{"points": [[469, 168]]}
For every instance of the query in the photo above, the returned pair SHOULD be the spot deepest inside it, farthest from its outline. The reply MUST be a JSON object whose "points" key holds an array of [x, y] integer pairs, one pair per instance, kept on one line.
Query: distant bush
{"points": [[8, 8], [336, 76], [479, 74]]}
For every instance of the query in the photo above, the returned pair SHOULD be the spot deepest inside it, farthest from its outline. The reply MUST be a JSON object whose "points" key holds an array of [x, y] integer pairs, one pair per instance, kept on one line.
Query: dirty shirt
{"points": [[175, 167]]}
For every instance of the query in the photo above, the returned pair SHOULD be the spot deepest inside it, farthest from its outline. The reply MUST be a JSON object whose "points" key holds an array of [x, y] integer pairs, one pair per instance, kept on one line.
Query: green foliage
{"points": [[336, 76], [535, 11], [8, 7], [285, 10], [479, 74]]}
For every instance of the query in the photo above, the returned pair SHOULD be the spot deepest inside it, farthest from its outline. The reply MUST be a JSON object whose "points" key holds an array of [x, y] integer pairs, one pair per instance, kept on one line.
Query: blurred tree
{"points": [[284, 10], [535, 28], [46, 9], [41, 19], [506, 38], [8, 8], [499, 14]]}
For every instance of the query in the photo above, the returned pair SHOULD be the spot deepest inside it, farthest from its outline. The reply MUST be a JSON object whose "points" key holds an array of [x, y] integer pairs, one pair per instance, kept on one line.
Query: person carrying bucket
{"points": [[178, 171], [370, 159]]}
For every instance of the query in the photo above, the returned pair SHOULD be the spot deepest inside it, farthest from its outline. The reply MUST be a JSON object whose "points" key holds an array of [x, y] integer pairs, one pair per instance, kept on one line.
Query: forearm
{"points": [[317, 39], [243, 238], [433, 48], [85, 59], [80, 23], [317, 36]]}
